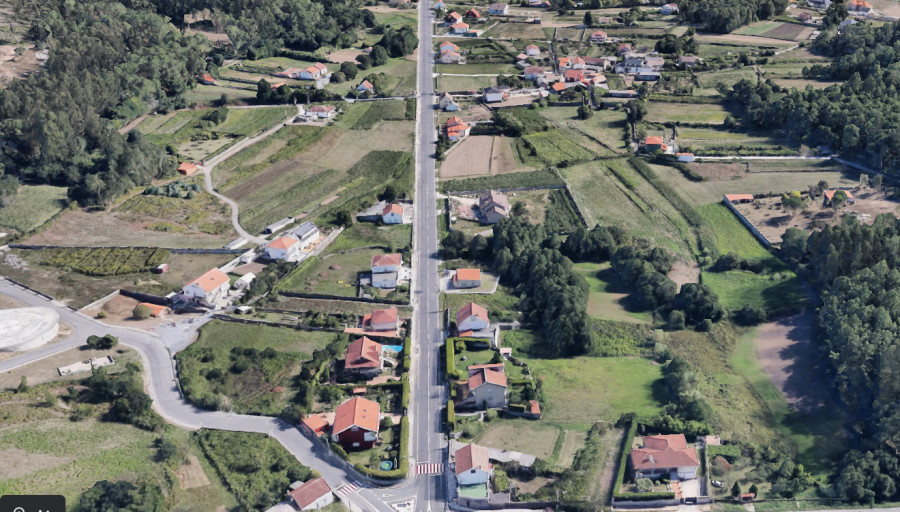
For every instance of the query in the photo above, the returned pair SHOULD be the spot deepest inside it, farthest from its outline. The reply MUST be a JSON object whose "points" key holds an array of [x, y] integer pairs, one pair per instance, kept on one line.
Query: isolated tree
{"points": [[103, 343], [838, 200], [50, 399], [379, 55], [875, 181], [636, 110], [141, 312], [343, 218], [588, 19], [349, 69], [585, 112], [389, 194], [754, 490], [791, 204], [23, 385], [736, 490]]}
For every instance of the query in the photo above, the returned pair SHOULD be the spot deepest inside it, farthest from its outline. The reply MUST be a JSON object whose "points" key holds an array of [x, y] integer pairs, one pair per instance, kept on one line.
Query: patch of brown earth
{"points": [[191, 475]]}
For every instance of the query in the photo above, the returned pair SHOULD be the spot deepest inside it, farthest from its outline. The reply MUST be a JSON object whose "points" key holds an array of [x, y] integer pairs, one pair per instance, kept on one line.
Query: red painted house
{"points": [[356, 424]]}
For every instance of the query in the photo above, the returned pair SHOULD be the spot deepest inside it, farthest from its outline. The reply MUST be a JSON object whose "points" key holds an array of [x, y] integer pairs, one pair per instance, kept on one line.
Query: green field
{"points": [[774, 293], [662, 112], [580, 391], [203, 213], [728, 77], [609, 297], [612, 193], [478, 69], [206, 94], [66, 457], [553, 147], [732, 236], [365, 234], [335, 273], [264, 388], [464, 83], [33, 206], [757, 29], [501, 300]]}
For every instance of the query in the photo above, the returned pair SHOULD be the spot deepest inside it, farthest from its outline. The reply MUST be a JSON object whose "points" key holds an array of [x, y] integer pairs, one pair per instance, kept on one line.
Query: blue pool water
{"points": [[394, 348]]}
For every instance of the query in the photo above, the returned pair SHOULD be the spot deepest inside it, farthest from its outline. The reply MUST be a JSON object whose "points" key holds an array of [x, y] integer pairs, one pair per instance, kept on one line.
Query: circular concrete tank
{"points": [[27, 328]]}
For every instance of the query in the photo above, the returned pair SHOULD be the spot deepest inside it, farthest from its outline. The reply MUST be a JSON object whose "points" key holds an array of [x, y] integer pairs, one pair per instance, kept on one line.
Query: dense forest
{"points": [[858, 118], [106, 62], [260, 28], [857, 268], [723, 16]]}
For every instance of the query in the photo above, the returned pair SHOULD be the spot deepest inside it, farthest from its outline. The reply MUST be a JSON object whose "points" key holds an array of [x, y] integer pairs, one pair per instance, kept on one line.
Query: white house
{"points": [[208, 287], [314, 72], [282, 248], [498, 8], [244, 281], [447, 103], [460, 28], [307, 233], [533, 72], [392, 214], [321, 111], [598, 36], [450, 57], [472, 465], [472, 317], [312, 495], [667, 455], [496, 94], [486, 388]]}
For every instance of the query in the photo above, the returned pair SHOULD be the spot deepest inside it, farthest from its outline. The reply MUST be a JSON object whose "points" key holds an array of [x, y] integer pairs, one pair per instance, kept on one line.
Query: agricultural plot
{"points": [[731, 236], [206, 94], [480, 155], [448, 83], [103, 262], [335, 273], [390, 110], [728, 77], [610, 192], [790, 32], [732, 142], [609, 297], [662, 112], [143, 220], [478, 69], [517, 31], [759, 28], [33, 206], [551, 208], [705, 192], [553, 147], [775, 293]]}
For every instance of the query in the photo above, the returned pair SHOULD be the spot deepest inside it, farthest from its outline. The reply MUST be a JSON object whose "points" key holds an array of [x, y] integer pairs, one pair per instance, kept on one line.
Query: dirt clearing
{"points": [[787, 354], [348, 55], [191, 475], [718, 171], [683, 273], [481, 155], [45, 370]]}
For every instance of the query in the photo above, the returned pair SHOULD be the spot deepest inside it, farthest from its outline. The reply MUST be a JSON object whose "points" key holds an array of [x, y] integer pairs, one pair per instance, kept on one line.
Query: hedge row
{"points": [[729, 451], [630, 432], [646, 496], [404, 392], [542, 178], [451, 416]]}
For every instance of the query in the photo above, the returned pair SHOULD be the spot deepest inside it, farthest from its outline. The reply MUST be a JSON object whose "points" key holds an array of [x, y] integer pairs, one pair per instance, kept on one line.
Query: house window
{"points": [[354, 428], [355, 445]]}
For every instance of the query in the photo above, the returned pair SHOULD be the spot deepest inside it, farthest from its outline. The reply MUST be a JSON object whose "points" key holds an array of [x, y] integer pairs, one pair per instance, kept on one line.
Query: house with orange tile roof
{"points": [[459, 28], [472, 317], [667, 455], [457, 129], [288, 73], [451, 57], [486, 388], [623, 49], [187, 168], [558, 87], [447, 45], [574, 75], [392, 214], [386, 262], [577, 62], [365, 87], [312, 495], [564, 62], [598, 36], [534, 409], [453, 18], [321, 111], [363, 358], [472, 465], [207, 79], [473, 13], [284, 248], [467, 278], [654, 143], [314, 72], [315, 424], [829, 194], [382, 320], [356, 424], [859, 6], [207, 288]]}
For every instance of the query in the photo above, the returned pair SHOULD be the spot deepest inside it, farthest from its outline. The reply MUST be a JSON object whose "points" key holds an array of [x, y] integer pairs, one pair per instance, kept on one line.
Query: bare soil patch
{"points": [[191, 475], [719, 171], [889, 7], [36, 462], [348, 55], [683, 273], [215, 37], [787, 31], [9, 303], [481, 155], [787, 353], [12, 66], [45, 370], [530, 486], [772, 221]]}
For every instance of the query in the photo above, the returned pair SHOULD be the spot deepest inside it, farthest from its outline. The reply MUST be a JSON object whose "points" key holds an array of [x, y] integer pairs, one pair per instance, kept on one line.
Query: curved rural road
{"points": [[162, 387], [210, 164]]}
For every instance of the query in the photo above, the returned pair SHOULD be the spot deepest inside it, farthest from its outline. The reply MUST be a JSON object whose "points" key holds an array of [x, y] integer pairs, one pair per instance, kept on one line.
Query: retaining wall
{"points": [[765, 241]]}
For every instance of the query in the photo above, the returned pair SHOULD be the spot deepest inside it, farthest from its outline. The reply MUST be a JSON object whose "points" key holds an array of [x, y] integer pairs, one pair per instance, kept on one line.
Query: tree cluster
{"points": [[130, 404], [123, 496], [678, 45], [106, 63], [857, 268], [724, 16]]}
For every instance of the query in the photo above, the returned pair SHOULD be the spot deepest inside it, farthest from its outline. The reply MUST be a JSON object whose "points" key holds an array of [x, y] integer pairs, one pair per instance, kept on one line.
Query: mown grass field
{"points": [[335, 273], [33, 206], [737, 288], [206, 94], [612, 193], [757, 29], [732, 236], [463, 83], [720, 138], [364, 234], [662, 112], [609, 298]]}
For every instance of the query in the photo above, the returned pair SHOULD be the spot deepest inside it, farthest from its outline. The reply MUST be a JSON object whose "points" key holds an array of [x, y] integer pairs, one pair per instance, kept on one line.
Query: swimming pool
{"points": [[394, 348]]}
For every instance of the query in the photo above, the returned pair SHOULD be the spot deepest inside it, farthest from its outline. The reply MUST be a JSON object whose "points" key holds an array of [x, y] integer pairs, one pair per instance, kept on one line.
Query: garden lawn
{"points": [[521, 435], [779, 292], [336, 273], [609, 298], [662, 112], [367, 234], [501, 300], [33, 206]]}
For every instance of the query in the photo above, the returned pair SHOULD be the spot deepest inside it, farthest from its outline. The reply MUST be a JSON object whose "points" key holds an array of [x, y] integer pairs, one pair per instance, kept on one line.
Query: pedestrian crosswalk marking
{"points": [[428, 468], [346, 489]]}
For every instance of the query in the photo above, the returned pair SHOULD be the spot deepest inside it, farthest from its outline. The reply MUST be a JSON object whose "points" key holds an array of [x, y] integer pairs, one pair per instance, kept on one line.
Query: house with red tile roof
{"points": [[473, 13], [472, 317], [558, 87], [314, 72], [187, 168], [829, 194], [493, 206], [312, 495], [356, 424], [321, 111], [532, 50], [363, 358], [459, 28], [382, 320], [564, 62], [534, 409], [623, 49], [467, 278], [453, 18], [574, 75], [207, 79], [315, 424], [598, 36], [282, 248], [859, 6], [664, 455], [486, 388], [457, 129], [447, 45], [451, 57], [365, 87], [392, 214], [156, 311], [386, 262], [653, 143], [207, 288], [472, 465]]}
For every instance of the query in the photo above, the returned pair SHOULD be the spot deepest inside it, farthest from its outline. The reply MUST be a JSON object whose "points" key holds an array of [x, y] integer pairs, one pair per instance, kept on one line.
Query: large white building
{"points": [[208, 288]]}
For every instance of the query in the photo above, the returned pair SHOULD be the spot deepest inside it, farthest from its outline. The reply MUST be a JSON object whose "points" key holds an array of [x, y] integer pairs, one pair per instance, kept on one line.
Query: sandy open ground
{"points": [[480, 155]]}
